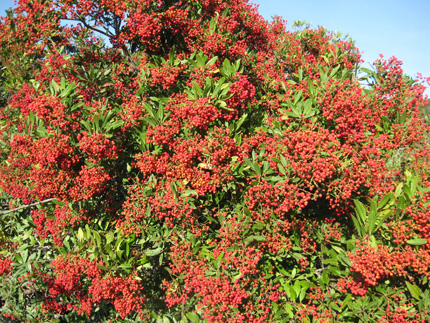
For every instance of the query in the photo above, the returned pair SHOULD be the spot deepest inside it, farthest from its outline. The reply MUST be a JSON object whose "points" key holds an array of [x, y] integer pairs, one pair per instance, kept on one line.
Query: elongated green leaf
{"points": [[417, 242], [372, 216], [414, 290], [361, 211], [346, 301], [388, 197], [248, 240], [193, 317], [153, 252], [66, 92], [212, 61], [357, 225], [97, 238], [109, 237], [381, 219], [398, 190], [80, 235]]}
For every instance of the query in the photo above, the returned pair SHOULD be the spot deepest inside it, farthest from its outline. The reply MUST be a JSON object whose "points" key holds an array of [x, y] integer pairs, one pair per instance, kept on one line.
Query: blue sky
{"points": [[390, 27]]}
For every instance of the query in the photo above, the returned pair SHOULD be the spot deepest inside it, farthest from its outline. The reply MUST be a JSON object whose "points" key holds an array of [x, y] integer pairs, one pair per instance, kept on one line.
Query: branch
{"points": [[130, 59], [109, 35], [26, 206]]}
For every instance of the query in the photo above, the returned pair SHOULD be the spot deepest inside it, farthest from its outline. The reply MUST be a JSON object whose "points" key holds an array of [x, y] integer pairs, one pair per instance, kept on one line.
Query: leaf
{"points": [[291, 293], [80, 235], [414, 185], [366, 70], [88, 231], [345, 301], [289, 113], [153, 252], [330, 261], [302, 295], [193, 317], [212, 61], [361, 211], [66, 92], [55, 85], [223, 105], [335, 307], [109, 237], [414, 290], [189, 192], [372, 216], [399, 189], [334, 71], [173, 188], [357, 224], [248, 240], [417, 242], [385, 199], [241, 121], [381, 220], [258, 225], [311, 88], [97, 238], [298, 96]]}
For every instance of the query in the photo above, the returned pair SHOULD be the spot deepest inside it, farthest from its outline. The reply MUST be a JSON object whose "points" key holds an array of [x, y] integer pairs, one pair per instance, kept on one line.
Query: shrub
{"points": [[186, 161]]}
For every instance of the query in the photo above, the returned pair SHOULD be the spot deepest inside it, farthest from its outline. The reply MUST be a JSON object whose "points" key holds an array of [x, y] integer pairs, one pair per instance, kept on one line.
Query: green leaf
{"points": [[357, 225], [372, 216], [241, 121], [417, 242], [189, 192], [298, 96], [153, 252], [109, 237], [88, 231], [385, 199], [414, 290], [361, 211], [289, 113], [335, 307], [300, 74], [381, 220], [345, 301], [212, 61], [311, 88], [282, 270], [174, 190], [55, 85], [414, 184], [248, 240], [80, 235], [399, 189], [193, 317], [66, 92], [97, 238]]}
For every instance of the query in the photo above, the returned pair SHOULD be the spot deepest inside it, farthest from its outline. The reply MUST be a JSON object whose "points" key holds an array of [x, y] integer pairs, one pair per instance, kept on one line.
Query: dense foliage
{"points": [[186, 161]]}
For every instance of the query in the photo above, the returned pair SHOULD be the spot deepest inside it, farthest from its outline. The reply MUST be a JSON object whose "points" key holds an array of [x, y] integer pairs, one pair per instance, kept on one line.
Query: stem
{"points": [[27, 206]]}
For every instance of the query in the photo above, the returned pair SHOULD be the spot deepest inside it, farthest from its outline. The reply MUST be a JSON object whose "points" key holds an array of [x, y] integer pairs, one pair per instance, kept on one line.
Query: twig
{"points": [[26, 206]]}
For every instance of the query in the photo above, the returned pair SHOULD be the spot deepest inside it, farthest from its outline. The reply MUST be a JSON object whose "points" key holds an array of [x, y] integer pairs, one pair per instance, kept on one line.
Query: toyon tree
{"points": [[187, 161]]}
